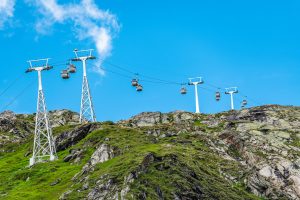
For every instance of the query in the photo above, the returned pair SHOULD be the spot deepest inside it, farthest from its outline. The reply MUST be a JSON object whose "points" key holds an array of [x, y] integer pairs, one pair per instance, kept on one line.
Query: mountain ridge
{"points": [[247, 154]]}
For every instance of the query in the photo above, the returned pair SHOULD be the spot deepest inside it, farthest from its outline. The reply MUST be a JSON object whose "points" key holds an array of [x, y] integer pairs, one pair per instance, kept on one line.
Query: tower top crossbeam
{"points": [[33, 67], [83, 55], [195, 81], [231, 90]]}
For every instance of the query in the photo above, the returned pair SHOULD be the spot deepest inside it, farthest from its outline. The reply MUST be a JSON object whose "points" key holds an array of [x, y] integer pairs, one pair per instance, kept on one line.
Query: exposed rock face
{"points": [[15, 127], [9, 115], [102, 154], [8, 122], [63, 117], [105, 187], [75, 154], [69, 138], [154, 118], [104, 190], [264, 139], [263, 142], [280, 175]]}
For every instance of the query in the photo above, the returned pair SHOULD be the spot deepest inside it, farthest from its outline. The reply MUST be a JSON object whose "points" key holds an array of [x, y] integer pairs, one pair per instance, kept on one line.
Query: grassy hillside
{"points": [[180, 164], [247, 154]]}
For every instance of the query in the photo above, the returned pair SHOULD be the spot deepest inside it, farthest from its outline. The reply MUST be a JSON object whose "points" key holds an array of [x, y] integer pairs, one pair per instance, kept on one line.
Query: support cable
{"points": [[11, 84], [162, 81], [17, 96], [141, 75]]}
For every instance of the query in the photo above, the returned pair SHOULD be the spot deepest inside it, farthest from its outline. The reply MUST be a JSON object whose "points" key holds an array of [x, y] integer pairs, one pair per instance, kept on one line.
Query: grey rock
{"points": [[64, 196], [104, 190], [103, 153], [63, 117], [55, 182], [70, 138]]}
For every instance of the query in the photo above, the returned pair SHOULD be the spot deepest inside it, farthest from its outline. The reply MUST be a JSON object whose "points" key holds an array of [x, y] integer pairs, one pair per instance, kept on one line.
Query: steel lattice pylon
{"points": [[43, 146], [87, 113], [87, 109]]}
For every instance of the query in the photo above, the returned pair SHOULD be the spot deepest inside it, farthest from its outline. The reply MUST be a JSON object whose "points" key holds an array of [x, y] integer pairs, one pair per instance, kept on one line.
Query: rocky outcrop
{"points": [[108, 188], [254, 150], [75, 155], [265, 139], [105, 186], [9, 122], [70, 138], [63, 117], [15, 127], [103, 153], [147, 119], [275, 179], [105, 189]]}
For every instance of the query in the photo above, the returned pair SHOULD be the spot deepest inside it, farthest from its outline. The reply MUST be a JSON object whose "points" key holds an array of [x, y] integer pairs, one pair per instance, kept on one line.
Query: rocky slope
{"points": [[247, 154], [14, 128]]}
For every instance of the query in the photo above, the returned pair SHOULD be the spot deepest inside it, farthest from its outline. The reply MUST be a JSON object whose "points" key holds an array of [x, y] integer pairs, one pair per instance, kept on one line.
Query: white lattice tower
{"points": [[87, 110], [43, 146], [87, 113]]}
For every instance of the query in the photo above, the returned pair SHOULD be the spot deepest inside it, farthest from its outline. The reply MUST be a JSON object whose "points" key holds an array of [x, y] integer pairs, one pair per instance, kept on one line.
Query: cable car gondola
{"points": [[72, 68], [65, 74], [183, 91], [244, 102], [218, 96], [139, 88], [134, 82]]}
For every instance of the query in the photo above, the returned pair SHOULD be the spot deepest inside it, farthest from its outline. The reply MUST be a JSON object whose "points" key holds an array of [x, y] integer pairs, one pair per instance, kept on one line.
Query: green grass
{"points": [[131, 146], [193, 155], [295, 140], [14, 172]]}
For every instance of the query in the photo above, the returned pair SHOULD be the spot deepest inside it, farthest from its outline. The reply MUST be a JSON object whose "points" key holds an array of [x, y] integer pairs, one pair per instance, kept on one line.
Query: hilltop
{"points": [[247, 154]]}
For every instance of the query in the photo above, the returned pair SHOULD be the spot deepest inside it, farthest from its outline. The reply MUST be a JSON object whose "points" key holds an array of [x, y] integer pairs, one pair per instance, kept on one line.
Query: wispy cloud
{"points": [[6, 11], [86, 18]]}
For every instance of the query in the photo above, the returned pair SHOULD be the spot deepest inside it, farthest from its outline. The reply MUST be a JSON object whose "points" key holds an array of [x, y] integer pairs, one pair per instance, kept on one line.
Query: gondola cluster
{"points": [[65, 74], [135, 83]]}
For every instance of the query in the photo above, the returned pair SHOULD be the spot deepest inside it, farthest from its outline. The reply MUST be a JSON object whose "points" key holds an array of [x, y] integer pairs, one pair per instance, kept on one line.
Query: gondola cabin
{"points": [[183, 91], [134, 82], [139, 88], [218, 96], [65, 74], [72, 68], [244, 102]]}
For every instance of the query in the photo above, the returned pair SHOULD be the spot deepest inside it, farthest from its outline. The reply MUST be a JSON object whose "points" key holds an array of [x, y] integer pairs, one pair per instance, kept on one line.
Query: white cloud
{"points": [[6, 11], [89, 21]]}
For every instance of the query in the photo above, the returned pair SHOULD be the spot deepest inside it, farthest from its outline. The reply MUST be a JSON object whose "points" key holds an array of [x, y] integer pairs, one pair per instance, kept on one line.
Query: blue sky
{"points": [[250, 44]]}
